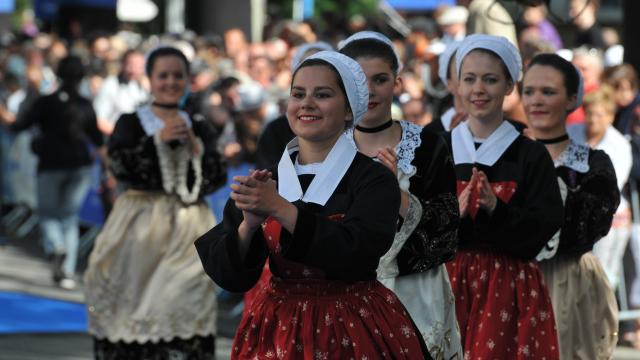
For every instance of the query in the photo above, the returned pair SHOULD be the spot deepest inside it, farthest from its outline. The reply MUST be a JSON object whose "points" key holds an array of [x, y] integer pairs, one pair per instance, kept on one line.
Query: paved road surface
{"points": [[23, 269]]}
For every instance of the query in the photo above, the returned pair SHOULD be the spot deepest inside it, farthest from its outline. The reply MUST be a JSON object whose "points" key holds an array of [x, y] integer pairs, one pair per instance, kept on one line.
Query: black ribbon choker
{"points": [[554, 140], [375, 129], [165, 106]]}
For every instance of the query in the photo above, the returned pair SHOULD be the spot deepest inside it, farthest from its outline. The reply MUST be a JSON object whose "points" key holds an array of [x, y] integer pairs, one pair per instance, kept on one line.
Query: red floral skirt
{"points": [[503, 307], [250, 295], [319, 319]]}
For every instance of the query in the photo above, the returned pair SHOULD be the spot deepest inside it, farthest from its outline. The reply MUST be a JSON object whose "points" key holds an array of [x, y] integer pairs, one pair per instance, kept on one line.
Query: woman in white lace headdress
{"points": [[427, 237], [146, 293], [584, 304]]}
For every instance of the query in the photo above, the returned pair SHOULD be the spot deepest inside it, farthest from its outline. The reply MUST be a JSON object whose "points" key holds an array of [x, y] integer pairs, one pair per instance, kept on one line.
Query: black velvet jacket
{"points": [[521, 226], [345, 249], [592, 200], [133, 157]]}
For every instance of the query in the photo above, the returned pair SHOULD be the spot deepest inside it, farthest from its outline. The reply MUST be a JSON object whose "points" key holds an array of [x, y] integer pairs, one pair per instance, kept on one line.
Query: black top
{"points": [[591, 37], [534, 212], [134, 158], [435, 239], [592, 199], [348, 249], [435, 126], [272, 142], [67, 125]]}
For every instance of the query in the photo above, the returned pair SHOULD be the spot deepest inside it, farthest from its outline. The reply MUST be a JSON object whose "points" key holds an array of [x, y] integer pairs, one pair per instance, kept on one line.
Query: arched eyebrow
{"points": [[317, 88]]}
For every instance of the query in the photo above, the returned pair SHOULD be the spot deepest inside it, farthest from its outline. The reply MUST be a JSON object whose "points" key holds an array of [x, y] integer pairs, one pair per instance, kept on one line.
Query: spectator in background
{"points": [[202, 76], [536, 16], [277, 133], [532, 47], [67, 123], [236, 48], [416, 110], [583, 15], [624, 80], [23, 177], [598, 132], [34, 58], [589, 62], [490, 17], [251, 118], [423, 31], [453, 23], [122, 93]]}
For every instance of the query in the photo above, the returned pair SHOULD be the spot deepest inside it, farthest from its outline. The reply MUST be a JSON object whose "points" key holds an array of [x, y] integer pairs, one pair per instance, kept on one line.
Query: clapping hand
{"points": [[486, 198], [174, 129], [254, 195], [388, 158]]}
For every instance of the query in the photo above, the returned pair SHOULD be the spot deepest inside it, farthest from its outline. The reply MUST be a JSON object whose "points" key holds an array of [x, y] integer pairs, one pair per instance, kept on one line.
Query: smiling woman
{"points": [[323, 227], [317, 109], [584, 304], [510, 205], [427, 237], [146, 294]]}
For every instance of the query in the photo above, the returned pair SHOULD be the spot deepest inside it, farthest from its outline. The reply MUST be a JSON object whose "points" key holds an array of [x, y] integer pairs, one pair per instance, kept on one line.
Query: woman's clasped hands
{"points": [[478, 186], [256, 195]]}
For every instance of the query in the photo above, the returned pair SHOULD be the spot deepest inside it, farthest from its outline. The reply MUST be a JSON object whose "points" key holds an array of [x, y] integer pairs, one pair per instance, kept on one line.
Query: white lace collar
{"points": [[329, 175], [465, 152], [405, 149], [575, 156], [447, 117], [151, 124]]}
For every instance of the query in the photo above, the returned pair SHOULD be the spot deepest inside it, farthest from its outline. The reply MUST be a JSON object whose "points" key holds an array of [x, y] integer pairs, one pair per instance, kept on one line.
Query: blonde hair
{"points": [[604, 95]]}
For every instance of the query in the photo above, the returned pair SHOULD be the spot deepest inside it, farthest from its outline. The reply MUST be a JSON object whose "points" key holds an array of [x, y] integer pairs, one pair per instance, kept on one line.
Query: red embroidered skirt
{"points": [[503, 307], [319, 319]]}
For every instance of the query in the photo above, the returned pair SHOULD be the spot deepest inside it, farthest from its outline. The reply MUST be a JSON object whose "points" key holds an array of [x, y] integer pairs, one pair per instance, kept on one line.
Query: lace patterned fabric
{"points": [[405, 150], [134, 159], [144, 282], [174, 164], [388, 266], [435, 240], [197, 347], [575, 156]]}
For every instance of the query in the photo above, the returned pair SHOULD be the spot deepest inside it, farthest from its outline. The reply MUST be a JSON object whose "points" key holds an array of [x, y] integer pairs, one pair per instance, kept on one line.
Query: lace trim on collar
{"points": [[575, 156], [405, 149]]}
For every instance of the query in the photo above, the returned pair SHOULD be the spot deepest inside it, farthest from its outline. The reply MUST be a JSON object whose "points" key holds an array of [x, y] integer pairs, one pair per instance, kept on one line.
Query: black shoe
{"points": [[57, 261]]}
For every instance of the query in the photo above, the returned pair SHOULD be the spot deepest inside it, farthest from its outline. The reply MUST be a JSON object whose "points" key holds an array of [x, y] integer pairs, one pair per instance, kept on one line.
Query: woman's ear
{"points": [[397, 86], [510, 87], [571, 105]]}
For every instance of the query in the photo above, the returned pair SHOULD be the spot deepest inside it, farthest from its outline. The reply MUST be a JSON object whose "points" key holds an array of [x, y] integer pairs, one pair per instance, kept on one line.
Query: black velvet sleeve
{"points": [[590, 206], [521, 228], [220, 255], [214, 169], [132, 155], [349, 249], [435, 239]]}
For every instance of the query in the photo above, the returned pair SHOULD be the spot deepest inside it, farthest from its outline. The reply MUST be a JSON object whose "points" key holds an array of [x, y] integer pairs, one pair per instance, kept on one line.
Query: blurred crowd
{"points": [[241, 86]]}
